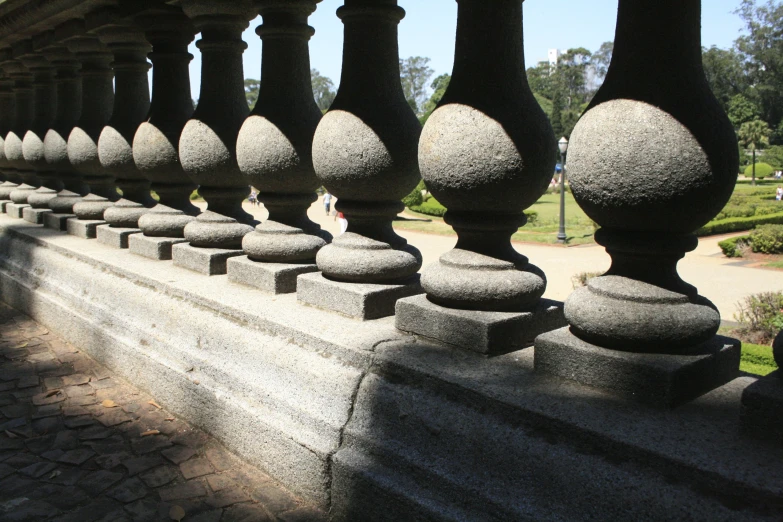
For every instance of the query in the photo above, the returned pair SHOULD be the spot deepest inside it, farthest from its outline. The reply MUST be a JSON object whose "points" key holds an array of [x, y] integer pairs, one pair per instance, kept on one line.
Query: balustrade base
{"points": [[360, 300], [483, 332], [35, 215], [207, 261], [84, 228], [16, 210], [116, 237], [660, 380], [153, 247], [762, 404], [276, 278], [3, 204], [57, 221]]}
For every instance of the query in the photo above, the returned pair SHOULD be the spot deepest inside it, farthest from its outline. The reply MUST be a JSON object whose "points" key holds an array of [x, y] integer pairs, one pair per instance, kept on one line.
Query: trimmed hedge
{"points": [[725, 226], [767, 239], [730, 246], [763, 170], [432, 207]]}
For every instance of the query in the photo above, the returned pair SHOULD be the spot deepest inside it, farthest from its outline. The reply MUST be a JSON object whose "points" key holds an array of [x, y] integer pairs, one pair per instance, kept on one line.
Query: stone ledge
{"points": [[116, 237], [356, 416], [762, 408], [276, 278], [207, 261], [35, 215], [483, 332], [158, 248]]}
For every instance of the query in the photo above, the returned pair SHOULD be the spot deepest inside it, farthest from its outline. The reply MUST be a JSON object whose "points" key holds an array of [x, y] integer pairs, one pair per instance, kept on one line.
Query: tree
{"points": [[742, 110], [725, 74], [599, 66], [753, 135], [251, 91], [762, 50], [323, 90], [438, 86], [556, 118], [541, 80], [414, 75]]}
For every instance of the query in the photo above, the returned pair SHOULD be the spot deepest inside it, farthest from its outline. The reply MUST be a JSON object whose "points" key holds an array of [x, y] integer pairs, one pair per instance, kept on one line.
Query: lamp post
{"points": [[563, 146]]}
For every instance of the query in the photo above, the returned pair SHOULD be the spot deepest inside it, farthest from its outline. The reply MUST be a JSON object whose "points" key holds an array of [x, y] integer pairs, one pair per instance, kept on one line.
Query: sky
{"points": [[429, 26]]}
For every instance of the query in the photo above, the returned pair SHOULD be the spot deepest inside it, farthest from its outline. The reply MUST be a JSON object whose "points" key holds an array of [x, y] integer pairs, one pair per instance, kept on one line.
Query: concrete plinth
{"points": [[116, 237], [661, 380], [360, 300], [277, 278], [3, 203], [83, 228], [57, 221], [483, 332], [207, 261], [16, 209], [762, 408], [35, 215], [153, 247]]}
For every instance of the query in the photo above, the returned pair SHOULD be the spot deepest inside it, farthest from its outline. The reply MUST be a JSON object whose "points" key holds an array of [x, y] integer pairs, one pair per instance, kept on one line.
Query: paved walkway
{"points": [[77, 444], [723, 281]]}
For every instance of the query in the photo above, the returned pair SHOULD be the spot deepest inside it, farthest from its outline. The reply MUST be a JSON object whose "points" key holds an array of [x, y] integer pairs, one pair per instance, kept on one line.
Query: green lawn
{"points": [[757, 359]]}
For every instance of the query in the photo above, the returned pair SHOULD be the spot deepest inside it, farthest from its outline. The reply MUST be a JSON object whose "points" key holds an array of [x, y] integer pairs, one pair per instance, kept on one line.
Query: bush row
{"points": [[732, 247], [739, 224], [432, 207]]}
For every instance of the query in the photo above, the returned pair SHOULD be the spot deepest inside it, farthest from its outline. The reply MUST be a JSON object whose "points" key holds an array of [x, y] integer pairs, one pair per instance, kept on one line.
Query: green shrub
{"points": [[732, 247], [732, 211], [757, 359], [725, 226], [415, 198], [763, 170], [582, 278], [532, 217], [767, 239], [432, 207], [760, 317]]}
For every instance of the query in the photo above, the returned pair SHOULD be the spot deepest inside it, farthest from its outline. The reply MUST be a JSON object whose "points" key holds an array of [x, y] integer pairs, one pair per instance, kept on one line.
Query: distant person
{"points": [[327, 202], [779, 193], [252, 197], [343, 222]]}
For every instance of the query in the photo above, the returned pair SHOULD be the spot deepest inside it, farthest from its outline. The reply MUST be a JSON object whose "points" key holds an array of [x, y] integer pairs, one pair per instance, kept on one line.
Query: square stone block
{"points": [[84, 228], [360, 300], [57, 221], [762, 408], [207, 261], [483, 332], [3, 203], [660, 380], [35, 215], [116, 237], [153, 247], [14, 210], [277, 278]]}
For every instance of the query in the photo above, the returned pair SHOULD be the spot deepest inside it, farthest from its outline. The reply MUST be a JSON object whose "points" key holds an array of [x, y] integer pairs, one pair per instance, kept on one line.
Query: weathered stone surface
{"points": [[277, 278], [360, 300], [207, 261], [153, 247], [658, 379], [483, 332], [83, 228], [35, 215], [114, 236], [57, 221], [15, 210], [762, 401]]}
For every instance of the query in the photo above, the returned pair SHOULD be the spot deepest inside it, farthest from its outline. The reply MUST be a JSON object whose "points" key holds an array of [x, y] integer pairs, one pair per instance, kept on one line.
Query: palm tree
{"points": [[754, 134]]}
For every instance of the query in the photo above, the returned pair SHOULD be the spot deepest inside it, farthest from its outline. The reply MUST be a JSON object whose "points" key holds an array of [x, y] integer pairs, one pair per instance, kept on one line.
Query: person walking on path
{"points": [[327, 202], [779, 193], [340, 217]]}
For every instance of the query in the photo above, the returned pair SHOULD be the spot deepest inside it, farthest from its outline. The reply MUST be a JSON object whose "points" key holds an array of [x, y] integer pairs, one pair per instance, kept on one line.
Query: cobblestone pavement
{"points": [[78, 444]]}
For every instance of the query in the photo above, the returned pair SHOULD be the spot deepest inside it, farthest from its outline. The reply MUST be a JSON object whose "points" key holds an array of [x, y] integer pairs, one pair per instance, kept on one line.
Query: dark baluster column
{"points": [[7, 111], [126, 41], [69, 108], [274, 151], [652, 159], [364, 152], [207, 147], [762, 401], [97, 103], [487, 153], [23, 117], [45, 109], [156, 144]]}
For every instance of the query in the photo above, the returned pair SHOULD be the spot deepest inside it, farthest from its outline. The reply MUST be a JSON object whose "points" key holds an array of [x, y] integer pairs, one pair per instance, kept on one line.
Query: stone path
{"points": [[78, 444]]}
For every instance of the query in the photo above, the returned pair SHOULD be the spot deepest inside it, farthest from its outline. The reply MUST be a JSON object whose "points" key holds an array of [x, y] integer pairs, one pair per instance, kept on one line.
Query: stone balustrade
{"points": [[77, 123]]}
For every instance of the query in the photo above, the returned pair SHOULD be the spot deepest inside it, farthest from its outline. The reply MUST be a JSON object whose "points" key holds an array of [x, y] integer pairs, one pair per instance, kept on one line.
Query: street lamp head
{"points": [[563, 145]]}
